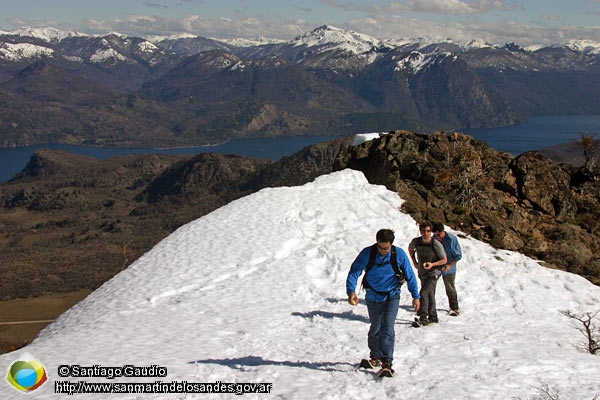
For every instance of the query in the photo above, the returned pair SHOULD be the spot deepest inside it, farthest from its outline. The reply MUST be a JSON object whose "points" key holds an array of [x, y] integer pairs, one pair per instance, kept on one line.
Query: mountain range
{"points": [[117, 90]]}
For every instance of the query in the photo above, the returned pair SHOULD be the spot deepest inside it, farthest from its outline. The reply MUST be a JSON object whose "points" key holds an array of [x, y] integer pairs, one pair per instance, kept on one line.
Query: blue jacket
{"points": [[453, 251], [382, 276]]}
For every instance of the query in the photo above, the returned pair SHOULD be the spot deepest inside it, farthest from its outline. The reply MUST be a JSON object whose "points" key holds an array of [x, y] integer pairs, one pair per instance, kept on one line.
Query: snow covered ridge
{"points": [[586, 46], [20, 51], [47, 34], [101, 52], [330, 38], [325, 35], [243, 42], [106, 54], [255, 292], [322, 39]]}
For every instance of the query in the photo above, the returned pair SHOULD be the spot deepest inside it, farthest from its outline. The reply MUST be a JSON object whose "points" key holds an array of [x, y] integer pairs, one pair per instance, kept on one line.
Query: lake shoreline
{"points": [[538, 133]]}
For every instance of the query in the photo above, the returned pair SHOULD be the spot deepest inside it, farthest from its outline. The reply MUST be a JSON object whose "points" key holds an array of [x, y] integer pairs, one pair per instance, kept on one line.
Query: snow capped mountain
{"points": [[46, 34], [586, 46], [20, 51], [106, 54], [243, 42], [328, 38], [235, 42], [438, 43], [255, 292], [157, 38], [478, 44], [325, 46], [111, 48], [148, 47]]}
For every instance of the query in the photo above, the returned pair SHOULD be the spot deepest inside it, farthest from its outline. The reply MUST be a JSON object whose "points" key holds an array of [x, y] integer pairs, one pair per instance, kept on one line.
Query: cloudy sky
{"points": [[525, 22]]}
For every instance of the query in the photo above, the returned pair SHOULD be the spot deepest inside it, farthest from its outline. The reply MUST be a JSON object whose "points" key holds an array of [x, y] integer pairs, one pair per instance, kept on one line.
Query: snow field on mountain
{"points": [[255, 292]]}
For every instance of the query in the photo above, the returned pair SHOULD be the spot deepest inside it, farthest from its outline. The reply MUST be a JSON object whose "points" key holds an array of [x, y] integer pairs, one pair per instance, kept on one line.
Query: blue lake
{"points": [[13, 160], [537, 133]]}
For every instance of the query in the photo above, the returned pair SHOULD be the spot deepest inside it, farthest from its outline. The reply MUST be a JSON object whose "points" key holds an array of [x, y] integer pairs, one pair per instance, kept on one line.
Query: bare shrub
{"points": [[589, 326]]}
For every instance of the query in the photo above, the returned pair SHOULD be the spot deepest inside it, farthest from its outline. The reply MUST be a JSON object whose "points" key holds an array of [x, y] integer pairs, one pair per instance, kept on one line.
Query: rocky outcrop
{"points": [[527, 203]]}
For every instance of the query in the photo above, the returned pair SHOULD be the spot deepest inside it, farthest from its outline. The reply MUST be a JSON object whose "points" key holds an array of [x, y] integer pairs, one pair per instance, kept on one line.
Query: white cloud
{"points": [[155, 5], [549, 17], [241, 25], [449, 7], [456, 6], [16, 22]]}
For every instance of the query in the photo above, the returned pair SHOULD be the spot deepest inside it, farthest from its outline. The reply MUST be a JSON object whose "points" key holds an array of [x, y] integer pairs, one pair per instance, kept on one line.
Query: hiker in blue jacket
{"points": [[382, 294], [454, 254]]}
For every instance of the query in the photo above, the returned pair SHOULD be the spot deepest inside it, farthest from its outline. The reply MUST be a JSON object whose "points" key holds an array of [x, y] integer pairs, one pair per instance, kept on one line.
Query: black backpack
{"points": [[394, 262]]}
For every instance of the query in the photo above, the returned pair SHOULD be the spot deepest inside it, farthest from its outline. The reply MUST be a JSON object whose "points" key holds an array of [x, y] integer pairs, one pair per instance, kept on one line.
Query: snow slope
{"points": [[48, 34], [331, 38], [255, 292], [19, 51]]}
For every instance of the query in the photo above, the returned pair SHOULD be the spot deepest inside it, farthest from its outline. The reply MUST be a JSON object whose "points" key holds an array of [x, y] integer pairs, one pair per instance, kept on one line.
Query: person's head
{"points": [[438, 230], [425, 229], [385, 238]]}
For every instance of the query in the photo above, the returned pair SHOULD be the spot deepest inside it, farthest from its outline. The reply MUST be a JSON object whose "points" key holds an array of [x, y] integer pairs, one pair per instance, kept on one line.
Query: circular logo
{"points": [[26, 374]]}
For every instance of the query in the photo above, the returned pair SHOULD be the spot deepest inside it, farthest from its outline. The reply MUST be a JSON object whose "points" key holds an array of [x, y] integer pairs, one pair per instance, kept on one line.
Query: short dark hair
{"points": [[385, 236], [438, 227], [424, 224]]}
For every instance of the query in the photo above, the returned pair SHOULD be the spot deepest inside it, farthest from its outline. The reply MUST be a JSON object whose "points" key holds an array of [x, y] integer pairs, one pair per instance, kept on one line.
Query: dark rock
{"points": [[528, 204]]}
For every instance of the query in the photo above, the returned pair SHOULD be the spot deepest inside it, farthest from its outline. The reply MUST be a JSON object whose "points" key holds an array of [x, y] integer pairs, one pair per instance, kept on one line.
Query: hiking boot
{"points": [[433, 320], [371, 363], [454, 313], [386, 370], [419, 322]]}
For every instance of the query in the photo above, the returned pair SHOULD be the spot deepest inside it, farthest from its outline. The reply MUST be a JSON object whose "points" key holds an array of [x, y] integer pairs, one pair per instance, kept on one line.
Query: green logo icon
{"points": [[26, 374]]}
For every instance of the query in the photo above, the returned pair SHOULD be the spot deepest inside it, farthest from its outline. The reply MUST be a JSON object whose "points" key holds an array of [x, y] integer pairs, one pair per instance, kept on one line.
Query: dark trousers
{"points": [[381, 334], [451, 290], [428, 307]]}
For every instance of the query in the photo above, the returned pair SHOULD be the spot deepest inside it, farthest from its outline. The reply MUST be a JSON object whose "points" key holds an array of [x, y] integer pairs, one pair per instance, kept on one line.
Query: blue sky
{"points": [[525, 22]]}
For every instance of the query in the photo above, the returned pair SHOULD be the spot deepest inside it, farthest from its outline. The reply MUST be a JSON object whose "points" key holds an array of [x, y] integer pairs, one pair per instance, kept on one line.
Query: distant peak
{"points": [[478, 44], [324, 28], [512, 46], [584, 45], [330, 37], [48, 34]]}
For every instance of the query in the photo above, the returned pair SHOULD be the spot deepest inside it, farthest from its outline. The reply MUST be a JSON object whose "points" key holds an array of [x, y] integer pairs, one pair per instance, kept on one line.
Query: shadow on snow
{"points": [[242, 363], [349, 315]]}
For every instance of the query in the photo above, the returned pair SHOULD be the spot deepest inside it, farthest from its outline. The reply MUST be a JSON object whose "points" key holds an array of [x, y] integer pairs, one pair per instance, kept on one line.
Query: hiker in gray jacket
{"points": [[428, 257]]}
